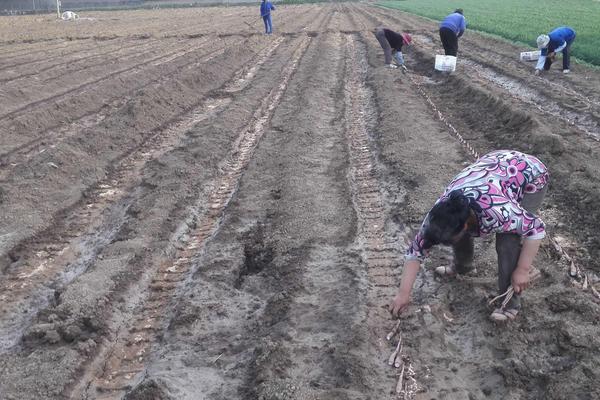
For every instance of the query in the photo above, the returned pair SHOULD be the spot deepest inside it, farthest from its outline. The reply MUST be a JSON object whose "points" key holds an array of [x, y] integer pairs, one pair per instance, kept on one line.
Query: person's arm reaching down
{"points": [[463, 26], [418, 250], [409, 275], [533, 230], [520, 276]]}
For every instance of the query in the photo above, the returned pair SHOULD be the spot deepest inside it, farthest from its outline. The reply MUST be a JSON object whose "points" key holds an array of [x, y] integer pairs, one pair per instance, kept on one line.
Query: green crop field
{"points": [[520, 20]]}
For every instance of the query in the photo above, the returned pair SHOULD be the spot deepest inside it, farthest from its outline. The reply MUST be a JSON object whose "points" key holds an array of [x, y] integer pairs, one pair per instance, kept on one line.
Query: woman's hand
{"points": [[520, 276], [520, 280], [399, 304], [402, 299]]}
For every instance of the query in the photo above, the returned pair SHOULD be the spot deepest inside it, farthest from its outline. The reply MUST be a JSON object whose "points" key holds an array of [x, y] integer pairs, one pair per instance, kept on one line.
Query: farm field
{"points": [[520, 21], [194, 210]]}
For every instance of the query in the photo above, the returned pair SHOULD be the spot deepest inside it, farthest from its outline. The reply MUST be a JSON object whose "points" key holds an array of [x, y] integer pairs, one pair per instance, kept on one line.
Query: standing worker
{"points": [[265, 12], [559, 40], [451, 28], [392, 41], [497, 194]]}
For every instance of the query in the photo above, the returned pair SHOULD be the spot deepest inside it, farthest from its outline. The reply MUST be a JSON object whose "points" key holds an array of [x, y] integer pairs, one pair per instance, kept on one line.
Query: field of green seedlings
{"points": [[520, 21]]}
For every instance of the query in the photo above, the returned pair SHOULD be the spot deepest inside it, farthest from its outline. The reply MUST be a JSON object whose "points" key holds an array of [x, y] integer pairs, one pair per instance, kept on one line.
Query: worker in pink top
{"points": [[498, 194]]}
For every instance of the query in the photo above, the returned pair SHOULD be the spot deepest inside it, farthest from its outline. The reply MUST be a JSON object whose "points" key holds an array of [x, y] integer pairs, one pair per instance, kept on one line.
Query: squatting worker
{"points": [[265, 12], [391, 41], [451, 28], [498, 194], [559, 40]]}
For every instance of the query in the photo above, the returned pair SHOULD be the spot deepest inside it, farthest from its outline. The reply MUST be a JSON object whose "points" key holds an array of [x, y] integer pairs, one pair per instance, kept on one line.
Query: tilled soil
{"points": [[193, 210]]}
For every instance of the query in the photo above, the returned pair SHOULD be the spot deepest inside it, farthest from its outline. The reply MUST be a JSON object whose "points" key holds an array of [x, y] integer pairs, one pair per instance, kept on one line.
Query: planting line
{"points": [[380, 250], [541, 102], [526, 94], [578, 276], [501, 58], [125, 359], [575, 272], [467, 146], [579, 120]]}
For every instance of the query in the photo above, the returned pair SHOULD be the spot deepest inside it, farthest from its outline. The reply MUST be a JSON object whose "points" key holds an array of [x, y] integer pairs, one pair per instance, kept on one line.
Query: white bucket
{"points": [[445, 63], [530, 55]]}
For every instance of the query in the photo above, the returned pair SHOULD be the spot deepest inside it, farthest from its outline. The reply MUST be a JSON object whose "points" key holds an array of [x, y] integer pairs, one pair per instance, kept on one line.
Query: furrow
{"points": [[21, 153], [73, 59], [381, 265], [130, 70], [127, 358], [52, 263]]}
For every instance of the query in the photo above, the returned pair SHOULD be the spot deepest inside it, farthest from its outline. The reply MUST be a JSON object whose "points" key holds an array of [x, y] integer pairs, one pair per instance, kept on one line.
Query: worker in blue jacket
{"points": [[265, 12], [559, 40], [451, 28]]}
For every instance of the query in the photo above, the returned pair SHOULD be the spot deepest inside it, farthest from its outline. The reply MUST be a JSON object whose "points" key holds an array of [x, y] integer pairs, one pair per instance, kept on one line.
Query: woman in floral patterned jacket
{"points": [[498, 194]]}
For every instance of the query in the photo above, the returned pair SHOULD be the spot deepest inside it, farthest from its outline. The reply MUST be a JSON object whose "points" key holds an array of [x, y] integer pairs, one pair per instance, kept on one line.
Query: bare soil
{"points": [[194, 210]]}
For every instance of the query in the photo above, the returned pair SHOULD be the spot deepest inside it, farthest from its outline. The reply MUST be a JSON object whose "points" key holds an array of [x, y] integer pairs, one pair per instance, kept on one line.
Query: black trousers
{"points": [[566, 57], [449, 41], [508, 249]]}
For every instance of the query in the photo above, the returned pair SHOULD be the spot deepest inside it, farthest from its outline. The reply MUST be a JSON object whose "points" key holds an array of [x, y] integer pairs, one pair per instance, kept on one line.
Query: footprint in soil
{"points": [[276, 194], [257, 255]]}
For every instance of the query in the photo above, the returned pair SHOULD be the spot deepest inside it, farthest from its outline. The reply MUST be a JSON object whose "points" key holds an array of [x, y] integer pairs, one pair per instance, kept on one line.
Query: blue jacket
{"points": [[265, 8], [559, 39], [456, 22]]}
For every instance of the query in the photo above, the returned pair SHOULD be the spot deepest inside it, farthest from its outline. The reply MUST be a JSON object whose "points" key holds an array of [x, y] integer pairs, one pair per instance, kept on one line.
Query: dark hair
{"points": [[447, 218], [459, 10]]}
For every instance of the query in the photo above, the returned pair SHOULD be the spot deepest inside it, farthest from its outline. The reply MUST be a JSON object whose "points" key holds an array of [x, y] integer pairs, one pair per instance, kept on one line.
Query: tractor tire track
{"points": [[125, 359], [379, 248]]}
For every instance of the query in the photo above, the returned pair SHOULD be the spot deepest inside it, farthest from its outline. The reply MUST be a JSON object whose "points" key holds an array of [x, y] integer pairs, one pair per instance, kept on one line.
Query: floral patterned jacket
{"points": [[495, 185]]}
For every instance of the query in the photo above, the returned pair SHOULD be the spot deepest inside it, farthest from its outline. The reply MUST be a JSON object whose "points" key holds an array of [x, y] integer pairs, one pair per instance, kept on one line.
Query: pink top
{"points": [[496, 184]]}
